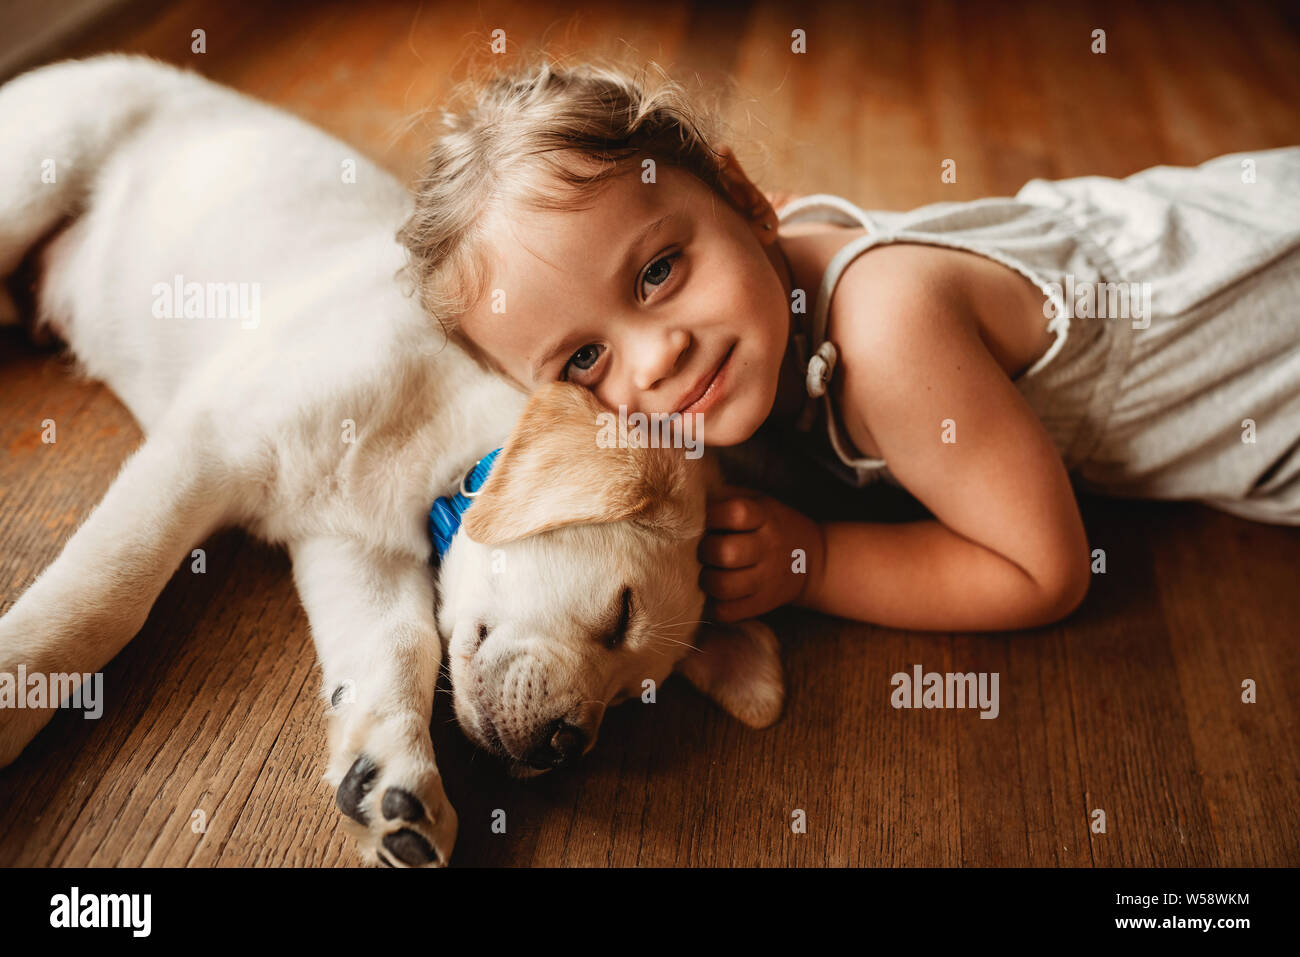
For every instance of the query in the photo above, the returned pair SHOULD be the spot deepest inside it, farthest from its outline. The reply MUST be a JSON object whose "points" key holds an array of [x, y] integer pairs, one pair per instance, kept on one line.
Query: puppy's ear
{"points": [[553, 472], [739, 666]]}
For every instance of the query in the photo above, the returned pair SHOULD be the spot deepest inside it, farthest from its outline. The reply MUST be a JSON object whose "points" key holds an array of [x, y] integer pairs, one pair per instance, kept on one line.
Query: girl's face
{"points": [[660, 297]]}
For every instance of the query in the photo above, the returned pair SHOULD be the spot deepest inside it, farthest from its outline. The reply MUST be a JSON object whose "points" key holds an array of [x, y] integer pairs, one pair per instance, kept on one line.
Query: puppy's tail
{"points": [[59, 124]]}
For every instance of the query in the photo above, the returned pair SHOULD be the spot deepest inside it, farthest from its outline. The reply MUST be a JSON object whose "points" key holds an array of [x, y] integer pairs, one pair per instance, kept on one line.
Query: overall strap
{"points": [[818, 357]]}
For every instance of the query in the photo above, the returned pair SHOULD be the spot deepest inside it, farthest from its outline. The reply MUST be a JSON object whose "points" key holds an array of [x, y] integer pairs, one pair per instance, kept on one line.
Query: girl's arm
{"points": [[1007, 549], [761, 554], [923, 576]]}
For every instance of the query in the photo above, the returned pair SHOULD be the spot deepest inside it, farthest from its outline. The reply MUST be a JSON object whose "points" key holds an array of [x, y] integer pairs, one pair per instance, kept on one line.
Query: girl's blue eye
{"points": [[659, 270], [584, 359]]}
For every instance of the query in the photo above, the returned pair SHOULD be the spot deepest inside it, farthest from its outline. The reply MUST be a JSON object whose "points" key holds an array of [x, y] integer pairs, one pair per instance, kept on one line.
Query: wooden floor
{"points": [[1133, 706]]}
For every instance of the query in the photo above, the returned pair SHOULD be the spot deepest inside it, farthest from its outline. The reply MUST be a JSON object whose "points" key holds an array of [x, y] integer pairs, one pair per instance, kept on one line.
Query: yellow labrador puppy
{"points": [[534, 675]]}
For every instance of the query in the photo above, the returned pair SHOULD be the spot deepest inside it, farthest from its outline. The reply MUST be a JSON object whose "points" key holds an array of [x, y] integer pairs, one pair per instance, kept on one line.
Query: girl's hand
{"points": [[758, 554]]}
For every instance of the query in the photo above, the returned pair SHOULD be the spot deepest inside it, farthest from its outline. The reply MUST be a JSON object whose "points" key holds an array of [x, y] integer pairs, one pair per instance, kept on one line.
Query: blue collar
{"points": [[447, 511]]}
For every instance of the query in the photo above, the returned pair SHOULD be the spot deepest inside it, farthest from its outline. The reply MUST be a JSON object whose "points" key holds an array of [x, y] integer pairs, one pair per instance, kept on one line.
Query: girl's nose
{"points": [[655, 357]]}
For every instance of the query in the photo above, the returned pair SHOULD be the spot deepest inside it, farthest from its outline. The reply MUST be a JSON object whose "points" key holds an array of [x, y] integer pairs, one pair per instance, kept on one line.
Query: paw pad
{"points": [[409, 848], [356, 785], [401, 804]]}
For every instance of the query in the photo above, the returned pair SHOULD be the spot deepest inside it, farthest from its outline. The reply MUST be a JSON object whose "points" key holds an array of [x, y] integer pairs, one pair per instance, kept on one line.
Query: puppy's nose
{"points": [[560, 745]]}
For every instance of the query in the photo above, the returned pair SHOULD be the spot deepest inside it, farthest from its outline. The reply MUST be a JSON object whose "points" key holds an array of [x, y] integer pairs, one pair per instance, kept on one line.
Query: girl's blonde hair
{"points": [[544, 135]]}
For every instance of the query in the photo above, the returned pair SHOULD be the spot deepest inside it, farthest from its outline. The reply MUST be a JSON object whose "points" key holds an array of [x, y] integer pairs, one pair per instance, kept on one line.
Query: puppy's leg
{"points": [[96, 595], [373, 624]]}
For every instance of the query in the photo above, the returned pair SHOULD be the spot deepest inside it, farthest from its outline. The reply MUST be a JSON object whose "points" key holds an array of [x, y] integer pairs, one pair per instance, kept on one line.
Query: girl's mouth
{"points": [[709, 391]]}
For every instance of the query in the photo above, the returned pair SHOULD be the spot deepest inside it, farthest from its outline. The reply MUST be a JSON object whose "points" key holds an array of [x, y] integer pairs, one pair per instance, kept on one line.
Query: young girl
{"points": [[1141, 334]]}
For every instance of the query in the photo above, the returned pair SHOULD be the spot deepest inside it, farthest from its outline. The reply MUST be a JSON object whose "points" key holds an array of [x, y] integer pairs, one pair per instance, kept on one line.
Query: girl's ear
{"points": [[553, 472], [746, 198]]}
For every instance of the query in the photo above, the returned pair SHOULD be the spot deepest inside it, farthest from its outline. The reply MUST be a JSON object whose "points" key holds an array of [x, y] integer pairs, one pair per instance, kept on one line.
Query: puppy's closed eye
{"points": [[615, 636]]}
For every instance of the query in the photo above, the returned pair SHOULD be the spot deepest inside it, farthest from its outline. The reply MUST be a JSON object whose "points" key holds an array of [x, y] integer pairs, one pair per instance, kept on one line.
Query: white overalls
{"points": [[1175, 371]]}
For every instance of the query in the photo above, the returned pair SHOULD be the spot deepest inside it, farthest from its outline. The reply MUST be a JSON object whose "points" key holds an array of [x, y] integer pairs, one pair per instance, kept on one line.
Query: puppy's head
{"points": [[573, 585]]}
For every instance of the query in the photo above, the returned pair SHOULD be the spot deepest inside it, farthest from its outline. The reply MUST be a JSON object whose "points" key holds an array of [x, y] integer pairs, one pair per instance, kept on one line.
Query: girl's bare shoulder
{"points": [[911, 290], [1007, 307]]}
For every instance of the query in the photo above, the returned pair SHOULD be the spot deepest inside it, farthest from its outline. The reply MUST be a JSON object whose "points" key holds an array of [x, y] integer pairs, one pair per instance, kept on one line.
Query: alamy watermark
{"points": [[76, 909], [179, 299], [1101, 300], [55, 690], [947, 690], [652, 430]]}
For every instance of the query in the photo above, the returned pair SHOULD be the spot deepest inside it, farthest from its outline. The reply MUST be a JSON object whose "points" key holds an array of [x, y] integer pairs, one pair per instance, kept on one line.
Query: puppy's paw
{"points": [[393, 798]]}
